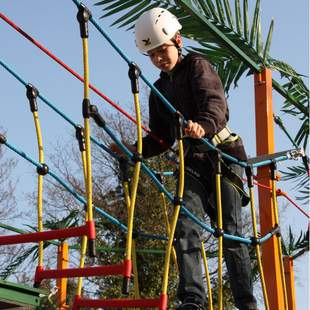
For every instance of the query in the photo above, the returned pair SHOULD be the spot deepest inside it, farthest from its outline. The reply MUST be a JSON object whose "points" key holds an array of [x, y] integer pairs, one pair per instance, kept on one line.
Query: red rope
{"points": [[97, 91], [280, 193]]}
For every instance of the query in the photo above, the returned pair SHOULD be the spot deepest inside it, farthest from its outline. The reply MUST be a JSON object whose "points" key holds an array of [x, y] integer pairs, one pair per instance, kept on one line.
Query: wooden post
{"points": [[290, 285], [61, 283], [265, 145]]}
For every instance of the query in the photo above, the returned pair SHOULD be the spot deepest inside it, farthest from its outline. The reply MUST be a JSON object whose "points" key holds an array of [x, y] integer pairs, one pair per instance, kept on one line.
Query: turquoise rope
{"points": [[130, 155]]}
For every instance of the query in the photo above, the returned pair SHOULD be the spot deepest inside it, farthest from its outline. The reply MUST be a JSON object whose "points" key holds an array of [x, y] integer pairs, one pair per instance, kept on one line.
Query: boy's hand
{"points": [[114, 148], [194, 130]]}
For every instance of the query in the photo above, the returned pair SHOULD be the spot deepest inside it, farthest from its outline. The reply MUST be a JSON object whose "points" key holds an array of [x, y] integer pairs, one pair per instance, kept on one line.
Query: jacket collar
{"points": [[180, 64]]}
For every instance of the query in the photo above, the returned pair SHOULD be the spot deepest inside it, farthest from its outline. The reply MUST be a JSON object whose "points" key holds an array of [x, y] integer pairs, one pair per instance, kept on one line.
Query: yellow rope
{"points": [[86, 158], [220, 240], [174, 219], [134, 254], [135, 180], [257, 249], [276, 214], [40, 185], [207, 274], [174, 254]]}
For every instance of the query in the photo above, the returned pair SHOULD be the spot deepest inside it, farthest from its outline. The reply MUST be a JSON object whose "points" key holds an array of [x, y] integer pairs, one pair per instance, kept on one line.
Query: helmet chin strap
{"points": [[179, 48]]}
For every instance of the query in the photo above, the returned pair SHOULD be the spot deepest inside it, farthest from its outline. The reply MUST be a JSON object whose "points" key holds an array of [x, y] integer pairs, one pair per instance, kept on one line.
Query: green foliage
{"points": [[296, 247], [301, 179]]}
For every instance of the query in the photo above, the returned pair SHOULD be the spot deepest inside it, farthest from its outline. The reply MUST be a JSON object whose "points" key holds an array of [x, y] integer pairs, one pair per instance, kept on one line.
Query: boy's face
{"points": [[166, 56]]}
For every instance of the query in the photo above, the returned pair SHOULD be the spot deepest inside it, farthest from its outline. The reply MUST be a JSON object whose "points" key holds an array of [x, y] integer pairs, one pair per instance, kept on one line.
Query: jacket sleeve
{"points": [[160, 130], [208, 96]]}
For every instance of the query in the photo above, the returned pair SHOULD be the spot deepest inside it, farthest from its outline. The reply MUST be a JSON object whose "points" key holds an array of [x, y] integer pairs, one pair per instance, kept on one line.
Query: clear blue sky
{"points": [[53, 24]]}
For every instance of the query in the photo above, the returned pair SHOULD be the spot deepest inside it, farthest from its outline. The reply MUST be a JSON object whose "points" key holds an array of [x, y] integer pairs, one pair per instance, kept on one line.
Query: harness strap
{"points": [[237, 183]]}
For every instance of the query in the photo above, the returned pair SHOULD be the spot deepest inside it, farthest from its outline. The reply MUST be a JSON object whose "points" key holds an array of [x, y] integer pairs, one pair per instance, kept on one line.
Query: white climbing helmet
{"points": [[154, 28]]}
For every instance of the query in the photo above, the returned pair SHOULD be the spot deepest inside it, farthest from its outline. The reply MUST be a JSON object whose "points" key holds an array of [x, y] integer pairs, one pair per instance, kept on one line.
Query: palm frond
{"points": [[301, 179], [217, 12], [246, 19], [71, 220], [17, 262], [238, 17], [295, 247], [268, 42]]}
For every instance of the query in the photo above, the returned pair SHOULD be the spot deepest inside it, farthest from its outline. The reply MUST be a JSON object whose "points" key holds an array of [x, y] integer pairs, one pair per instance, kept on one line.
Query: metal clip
{"points": [[52, 293], [294, 154]]}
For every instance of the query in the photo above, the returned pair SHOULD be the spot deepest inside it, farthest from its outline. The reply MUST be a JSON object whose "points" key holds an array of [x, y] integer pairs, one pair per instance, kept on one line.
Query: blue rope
{"points": [[127, 152], [130, 155]]}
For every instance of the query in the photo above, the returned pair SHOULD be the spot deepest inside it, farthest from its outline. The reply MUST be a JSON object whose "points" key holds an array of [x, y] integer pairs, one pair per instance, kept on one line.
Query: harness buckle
{"points": [[225, 135]]}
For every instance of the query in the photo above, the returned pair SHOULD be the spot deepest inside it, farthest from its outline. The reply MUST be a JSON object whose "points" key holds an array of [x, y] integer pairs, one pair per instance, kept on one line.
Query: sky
{"points": [[54, 25]]}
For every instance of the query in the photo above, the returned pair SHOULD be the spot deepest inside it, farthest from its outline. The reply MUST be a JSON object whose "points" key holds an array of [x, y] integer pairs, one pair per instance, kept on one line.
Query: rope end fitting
{"points": [[124, 169], [43, 169], [137, 157], [218, 233], [83, 15], [134, 72], [95, 115], [79, 134], [273, 168], [249, 175], [177, 201], [32, 94], [180, 124], [2, 139], [255, 241]]}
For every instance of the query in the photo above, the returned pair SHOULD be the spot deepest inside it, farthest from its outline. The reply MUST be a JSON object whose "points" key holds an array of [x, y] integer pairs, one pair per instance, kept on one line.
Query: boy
{"points": [[192, 86]]}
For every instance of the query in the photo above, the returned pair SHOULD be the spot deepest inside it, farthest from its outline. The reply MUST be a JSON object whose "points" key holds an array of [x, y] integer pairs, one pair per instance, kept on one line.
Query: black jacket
{"points": [[195, 90]]}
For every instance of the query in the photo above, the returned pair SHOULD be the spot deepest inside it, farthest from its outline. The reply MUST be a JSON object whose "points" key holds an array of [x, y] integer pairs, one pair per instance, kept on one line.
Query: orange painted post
{"points": [[61, 283], [290, 285], [265, 145]]}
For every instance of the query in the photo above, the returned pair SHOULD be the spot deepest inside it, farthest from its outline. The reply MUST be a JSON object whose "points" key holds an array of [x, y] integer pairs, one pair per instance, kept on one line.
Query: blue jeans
{"points": [[200, 198]]}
